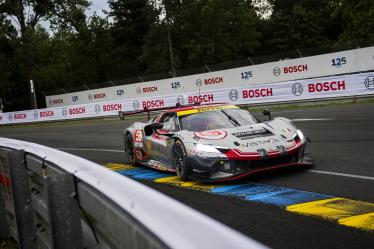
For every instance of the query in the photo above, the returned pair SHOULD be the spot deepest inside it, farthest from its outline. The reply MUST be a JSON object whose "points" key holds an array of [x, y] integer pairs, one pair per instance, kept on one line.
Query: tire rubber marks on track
{"points": [[346, 212]]}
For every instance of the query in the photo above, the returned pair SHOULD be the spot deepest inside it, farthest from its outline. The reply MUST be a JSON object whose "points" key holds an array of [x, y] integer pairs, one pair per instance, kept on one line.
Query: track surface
{"points": [[343, 142]]}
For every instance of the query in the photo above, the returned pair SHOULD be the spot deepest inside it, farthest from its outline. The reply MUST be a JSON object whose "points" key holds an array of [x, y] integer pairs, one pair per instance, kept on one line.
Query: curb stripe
{"points": [[347, 212]]}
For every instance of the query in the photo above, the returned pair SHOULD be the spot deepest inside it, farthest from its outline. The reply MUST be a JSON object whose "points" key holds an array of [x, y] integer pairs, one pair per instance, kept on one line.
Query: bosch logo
{"points": [[64, 112], [369, 82], [276, 71], [180, 100], [135, 105], [297, 89], [138, 90], [233, 95], [36, 115], [89, 97], [199, 83], [97, 108], [10, 117]]}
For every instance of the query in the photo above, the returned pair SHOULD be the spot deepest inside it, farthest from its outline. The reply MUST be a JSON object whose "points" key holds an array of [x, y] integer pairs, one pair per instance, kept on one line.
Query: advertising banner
{"points": [[316, 88], [345, 62]]}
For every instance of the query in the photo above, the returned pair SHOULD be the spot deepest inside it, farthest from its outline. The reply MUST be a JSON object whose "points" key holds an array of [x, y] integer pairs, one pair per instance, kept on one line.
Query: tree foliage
{"points": [[54, 43]]}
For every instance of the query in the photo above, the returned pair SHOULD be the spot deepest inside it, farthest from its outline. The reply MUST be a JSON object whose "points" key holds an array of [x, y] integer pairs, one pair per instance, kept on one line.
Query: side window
{"points": [[169, 122]]}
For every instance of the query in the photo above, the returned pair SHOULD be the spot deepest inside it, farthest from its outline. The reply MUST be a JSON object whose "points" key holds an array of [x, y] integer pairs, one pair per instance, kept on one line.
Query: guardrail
{"points": [[51, 199]]}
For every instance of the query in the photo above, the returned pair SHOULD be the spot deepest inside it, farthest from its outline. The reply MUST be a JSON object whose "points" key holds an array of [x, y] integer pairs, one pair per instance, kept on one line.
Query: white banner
{"points": [[345, 62], [318, 88]]}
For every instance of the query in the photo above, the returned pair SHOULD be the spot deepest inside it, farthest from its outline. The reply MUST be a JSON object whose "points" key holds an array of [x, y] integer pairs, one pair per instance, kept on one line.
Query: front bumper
{"points": [[218, 169]]}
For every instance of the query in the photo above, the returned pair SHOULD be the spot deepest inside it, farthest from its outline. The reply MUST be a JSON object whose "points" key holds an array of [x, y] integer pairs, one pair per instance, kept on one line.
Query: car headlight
{"points": [[300, 134], [206, 148]]}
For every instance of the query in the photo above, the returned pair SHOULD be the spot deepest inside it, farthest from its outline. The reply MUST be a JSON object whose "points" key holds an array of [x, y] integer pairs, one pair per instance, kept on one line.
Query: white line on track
{"points": [[311, 119], [88, 149], [342, 174]]}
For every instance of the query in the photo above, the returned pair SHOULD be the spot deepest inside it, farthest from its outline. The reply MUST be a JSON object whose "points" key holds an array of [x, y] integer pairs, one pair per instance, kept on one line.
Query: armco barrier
{"points": [[51, 199], [297, 90], [344, 62]]}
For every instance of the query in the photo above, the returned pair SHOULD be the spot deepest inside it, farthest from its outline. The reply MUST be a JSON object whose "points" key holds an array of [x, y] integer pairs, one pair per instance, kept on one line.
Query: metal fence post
{"points": [[64, 212], [22, 199]]}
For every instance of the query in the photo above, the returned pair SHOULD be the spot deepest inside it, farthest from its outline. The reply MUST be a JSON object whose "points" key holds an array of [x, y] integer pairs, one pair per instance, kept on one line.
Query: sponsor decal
{"points": [[211, 135], [252, 133], [213, 80], [46, 114], [180, 100], [50, 102], [257, 93], [90, 97], [74, 98], [138, 136], [99, 95], [175, 85], [246, 75], [261, 142], [57, 101], [199, 83], [135, 105], [201, 98], [1, 117], [36, 115], [153, 103], [138, 90], [112, 107], [369, 82], [150, 89], [64, 112], [233, 95], [295, 69], [338, 62], [276, 71], [297, 89], [10, 117], [327, 86], [77, 110], [97, 108], [19, 116]]}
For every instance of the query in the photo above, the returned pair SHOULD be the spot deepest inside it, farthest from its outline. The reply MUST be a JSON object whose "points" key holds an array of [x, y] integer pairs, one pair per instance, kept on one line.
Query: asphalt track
{"points": [[343, 150]]}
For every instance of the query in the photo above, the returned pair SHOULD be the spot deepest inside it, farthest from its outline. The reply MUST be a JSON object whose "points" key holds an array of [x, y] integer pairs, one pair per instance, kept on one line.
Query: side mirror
{"points": [[149, 129], [267, 112]]}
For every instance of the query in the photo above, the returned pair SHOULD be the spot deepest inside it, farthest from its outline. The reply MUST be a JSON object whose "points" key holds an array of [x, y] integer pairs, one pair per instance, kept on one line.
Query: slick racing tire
{"points": [[129, 150], [180, 156]]}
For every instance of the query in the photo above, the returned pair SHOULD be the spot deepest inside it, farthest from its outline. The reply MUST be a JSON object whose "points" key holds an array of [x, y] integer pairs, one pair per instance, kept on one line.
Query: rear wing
{"points": [[147, 110], [123, 114]]}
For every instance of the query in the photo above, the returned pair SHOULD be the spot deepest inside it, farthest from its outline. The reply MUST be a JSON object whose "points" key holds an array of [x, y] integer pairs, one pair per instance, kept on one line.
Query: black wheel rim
{"points": [[179, 162]]}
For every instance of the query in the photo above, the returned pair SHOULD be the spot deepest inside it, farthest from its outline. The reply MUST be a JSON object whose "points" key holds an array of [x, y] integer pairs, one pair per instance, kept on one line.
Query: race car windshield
{"points": [[218, 119]]}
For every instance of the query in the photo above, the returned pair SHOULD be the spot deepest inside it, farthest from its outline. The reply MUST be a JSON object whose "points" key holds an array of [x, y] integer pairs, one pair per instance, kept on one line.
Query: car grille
{"points": [[269, 162]]}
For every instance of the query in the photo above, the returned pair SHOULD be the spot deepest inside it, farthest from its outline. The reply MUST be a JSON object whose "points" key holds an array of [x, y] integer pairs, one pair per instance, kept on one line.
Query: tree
{"points": [[132, 20], [356, 19], [27, 14]]}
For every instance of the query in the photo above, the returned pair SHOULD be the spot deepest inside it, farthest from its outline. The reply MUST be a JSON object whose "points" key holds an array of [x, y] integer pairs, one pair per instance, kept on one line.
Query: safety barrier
{"points": [[343, 62], [299, 90], [51, 199]]}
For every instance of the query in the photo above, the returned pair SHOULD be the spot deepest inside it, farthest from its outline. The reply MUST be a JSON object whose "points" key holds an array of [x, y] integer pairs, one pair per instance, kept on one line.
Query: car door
{"points": [[160, 149]]}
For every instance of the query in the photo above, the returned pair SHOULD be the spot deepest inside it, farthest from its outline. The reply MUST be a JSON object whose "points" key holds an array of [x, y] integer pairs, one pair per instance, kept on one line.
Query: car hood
{"points": [[269, 135]]}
